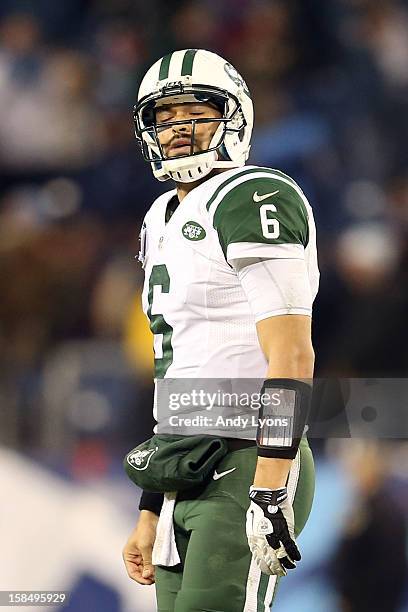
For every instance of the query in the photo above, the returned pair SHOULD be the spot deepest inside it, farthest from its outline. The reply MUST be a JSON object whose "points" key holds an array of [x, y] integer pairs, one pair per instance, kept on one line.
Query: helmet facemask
{"points": [[195, 164]]}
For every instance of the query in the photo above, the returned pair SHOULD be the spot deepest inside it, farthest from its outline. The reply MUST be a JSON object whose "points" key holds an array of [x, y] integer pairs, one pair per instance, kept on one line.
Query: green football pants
{"points": [[216, 573]]}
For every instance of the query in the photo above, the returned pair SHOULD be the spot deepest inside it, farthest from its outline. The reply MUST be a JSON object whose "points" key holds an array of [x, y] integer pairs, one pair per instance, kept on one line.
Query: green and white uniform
{"points": [[217, 572], [204, 326], [199, 313]]}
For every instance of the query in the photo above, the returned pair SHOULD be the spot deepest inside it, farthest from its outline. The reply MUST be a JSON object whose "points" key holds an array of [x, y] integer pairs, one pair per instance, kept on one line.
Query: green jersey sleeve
{"points": [[262, 211]]}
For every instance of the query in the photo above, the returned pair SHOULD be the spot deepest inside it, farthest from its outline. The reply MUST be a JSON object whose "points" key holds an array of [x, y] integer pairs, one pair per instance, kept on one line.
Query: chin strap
{"points": [[188, 172], [190, 169]]}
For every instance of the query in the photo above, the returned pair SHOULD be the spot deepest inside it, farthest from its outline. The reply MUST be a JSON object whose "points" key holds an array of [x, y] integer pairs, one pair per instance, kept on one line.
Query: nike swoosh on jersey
{"points": [[217, 475], [260, 198]]}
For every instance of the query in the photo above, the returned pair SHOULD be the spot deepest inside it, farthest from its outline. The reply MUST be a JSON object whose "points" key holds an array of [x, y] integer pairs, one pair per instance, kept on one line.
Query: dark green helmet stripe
{"points": [[164, 67], [187, 66]]}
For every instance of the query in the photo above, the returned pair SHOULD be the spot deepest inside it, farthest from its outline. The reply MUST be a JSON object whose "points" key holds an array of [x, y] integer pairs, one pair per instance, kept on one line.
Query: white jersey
{"points": [[199, 314]]}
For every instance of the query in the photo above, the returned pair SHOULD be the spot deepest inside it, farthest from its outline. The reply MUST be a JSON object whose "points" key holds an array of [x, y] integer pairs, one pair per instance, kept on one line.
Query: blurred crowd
{"points": [[329, 81], [330, 88]]}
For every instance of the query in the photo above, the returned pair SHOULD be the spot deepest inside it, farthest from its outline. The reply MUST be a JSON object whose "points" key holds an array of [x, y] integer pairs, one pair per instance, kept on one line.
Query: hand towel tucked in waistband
{"points": [[165, 549]]}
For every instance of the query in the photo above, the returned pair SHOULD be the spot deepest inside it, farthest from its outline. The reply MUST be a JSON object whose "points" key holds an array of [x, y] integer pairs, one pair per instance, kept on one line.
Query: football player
{"points": [[231, 273]]}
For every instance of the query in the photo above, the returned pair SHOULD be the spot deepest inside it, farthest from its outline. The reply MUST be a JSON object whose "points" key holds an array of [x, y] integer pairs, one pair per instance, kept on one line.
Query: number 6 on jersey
{"points": [[270, 227], [159, 277]]}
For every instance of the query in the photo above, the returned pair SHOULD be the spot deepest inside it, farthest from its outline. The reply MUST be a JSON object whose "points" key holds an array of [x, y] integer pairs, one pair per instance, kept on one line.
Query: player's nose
{"points": [[182, 128]]}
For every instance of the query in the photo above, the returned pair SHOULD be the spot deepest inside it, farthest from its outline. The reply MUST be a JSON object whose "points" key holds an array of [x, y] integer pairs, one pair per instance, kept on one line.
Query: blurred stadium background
{"points": [[330, 84]]}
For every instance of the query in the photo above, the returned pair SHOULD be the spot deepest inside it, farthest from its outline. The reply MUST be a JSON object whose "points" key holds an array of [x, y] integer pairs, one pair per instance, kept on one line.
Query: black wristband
{"points": [[152, 501], [282, 422]]}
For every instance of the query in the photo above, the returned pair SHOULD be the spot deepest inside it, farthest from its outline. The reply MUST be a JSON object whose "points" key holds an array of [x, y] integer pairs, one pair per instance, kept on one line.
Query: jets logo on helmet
{"points": [[236, 77], [195, 75]]}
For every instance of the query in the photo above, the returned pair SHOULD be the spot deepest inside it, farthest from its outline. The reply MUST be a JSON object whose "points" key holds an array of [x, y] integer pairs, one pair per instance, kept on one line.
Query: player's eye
{"points": [[163, 118], [196, 111]]}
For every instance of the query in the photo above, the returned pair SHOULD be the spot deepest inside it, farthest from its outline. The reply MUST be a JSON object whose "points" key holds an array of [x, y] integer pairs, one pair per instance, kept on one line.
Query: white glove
{"points": [[270, 530]]}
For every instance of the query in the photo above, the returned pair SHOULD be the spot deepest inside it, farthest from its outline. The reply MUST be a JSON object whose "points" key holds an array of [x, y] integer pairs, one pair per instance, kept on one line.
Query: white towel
{"points": [[165, 549]]}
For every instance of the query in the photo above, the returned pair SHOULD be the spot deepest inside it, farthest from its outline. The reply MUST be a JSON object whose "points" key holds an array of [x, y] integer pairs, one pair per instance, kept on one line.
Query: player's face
{"points": [[176, 139]]}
